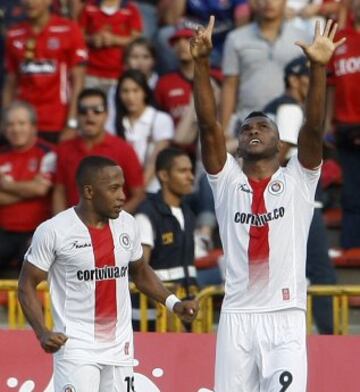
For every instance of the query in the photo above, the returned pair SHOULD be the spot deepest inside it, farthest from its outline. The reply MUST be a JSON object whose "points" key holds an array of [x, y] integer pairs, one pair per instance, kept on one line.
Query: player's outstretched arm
{"points": [[318, 53], [30, 277], [212, 138], [148, 283]]}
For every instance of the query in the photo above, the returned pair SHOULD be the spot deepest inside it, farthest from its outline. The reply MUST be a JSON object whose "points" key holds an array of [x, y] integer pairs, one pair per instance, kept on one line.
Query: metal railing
{"points": [[209, 299]]}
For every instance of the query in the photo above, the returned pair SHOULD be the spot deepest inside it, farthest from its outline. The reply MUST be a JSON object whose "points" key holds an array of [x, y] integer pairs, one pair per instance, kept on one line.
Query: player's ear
{"points": [[88, 192], [163, 176]]}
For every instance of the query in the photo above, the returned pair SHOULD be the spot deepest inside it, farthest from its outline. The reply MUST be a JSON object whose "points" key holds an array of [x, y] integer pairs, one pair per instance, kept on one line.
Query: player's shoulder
{"points": [[17, 30], [124, 217], [61, 223]]}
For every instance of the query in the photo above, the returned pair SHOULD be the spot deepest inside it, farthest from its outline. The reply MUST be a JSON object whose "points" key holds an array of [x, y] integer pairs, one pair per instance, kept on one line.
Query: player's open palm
{"points": [[323, 45], [201, 44]]}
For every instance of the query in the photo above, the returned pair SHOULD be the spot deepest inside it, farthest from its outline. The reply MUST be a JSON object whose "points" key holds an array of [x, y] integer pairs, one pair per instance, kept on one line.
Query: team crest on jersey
{"points": [[69, 388], [276, 187], [53, 43], [125, 241]]}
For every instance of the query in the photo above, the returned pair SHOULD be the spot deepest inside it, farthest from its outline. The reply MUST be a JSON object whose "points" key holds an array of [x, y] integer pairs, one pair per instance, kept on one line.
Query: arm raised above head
{"points": [[212, 138], [311, 134]]}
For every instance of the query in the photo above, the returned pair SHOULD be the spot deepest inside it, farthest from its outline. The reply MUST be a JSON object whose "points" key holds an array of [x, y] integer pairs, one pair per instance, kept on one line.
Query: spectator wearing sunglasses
{"points": [[94, 140]]}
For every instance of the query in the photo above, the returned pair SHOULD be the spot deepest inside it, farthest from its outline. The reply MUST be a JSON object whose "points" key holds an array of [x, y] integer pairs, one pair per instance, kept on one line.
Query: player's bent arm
{"points": [[30, 277], [311, 134], [148, 283], [212, 137], [37, 187], [8, 198]]}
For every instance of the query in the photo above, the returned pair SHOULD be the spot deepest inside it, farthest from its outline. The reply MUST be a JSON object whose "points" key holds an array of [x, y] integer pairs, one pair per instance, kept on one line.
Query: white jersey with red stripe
{"points": [[88, 278], [264, 228]]}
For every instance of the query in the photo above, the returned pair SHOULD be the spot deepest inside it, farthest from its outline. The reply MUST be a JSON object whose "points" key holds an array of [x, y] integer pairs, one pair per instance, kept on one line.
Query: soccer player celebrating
{"points": [[87, 253], [264, 213]]}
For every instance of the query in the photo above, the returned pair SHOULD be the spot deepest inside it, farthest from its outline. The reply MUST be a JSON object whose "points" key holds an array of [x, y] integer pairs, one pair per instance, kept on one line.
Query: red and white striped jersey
{"points": [[264, 228], [89, 286]]}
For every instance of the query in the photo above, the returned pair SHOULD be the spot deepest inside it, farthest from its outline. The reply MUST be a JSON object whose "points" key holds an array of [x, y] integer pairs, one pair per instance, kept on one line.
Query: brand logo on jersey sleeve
{"points": [[276, 187], [125, 241]]}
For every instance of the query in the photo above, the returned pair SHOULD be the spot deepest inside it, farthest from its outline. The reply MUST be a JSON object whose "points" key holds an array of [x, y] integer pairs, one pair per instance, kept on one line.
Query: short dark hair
{"points": [[92, 92], [140, 41], [89, 166], [256, 114], [165, 158]]}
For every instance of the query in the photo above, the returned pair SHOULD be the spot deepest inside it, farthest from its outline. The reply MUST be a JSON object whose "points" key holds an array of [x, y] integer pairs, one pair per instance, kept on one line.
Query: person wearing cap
{"points": [[287, 111]]}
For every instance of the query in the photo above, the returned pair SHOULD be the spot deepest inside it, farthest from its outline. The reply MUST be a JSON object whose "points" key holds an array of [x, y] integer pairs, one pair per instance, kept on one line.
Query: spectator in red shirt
{"points": [[43, 55], [108, 29], [94, 140], [27, 165], [343, 112]]}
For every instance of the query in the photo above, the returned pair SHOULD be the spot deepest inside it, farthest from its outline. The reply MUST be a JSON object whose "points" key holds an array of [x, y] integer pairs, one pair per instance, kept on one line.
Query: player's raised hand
{"points": [[52, 341], [323, 45], [187, 310], [201, 44]]}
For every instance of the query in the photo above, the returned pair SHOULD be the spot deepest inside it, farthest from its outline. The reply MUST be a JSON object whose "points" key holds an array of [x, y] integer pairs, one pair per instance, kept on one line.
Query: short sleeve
{"points": [[41, 252], [163, 127], [78, 53], [146, 229], [306, 179], [137, 250], [220, 181], [136, 20], [230, 65], [48, 165]]}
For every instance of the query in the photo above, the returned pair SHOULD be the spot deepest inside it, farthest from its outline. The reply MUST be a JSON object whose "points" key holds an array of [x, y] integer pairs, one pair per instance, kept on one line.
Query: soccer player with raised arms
{"points": [[264, 213]]}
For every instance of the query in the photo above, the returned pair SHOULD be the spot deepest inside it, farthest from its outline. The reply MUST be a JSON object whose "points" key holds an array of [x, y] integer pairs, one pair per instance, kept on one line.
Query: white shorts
{"points": [[74, 376], [261, 352]]}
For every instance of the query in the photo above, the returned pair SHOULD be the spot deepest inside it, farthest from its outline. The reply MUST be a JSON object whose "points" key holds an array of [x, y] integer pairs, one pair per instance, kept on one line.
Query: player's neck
{"points": [[261, 169], [89, 217]]}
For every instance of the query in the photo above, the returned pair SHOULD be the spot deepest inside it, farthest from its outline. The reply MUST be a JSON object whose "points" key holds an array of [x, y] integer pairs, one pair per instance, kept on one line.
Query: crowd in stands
{"points": [[114, 78]]}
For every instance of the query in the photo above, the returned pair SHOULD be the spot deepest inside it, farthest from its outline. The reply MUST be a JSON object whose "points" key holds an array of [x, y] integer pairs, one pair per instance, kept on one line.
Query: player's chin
{"points": [[114, 214]]}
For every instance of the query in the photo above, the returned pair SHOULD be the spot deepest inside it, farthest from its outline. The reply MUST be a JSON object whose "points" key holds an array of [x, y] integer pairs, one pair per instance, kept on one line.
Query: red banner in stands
{"points": [[176, 363]]}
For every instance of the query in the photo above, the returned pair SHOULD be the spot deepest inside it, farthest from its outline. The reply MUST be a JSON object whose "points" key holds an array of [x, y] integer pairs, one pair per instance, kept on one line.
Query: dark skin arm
{"points": [[30, 277], [212, 137], [148, 283], [311, 134]]}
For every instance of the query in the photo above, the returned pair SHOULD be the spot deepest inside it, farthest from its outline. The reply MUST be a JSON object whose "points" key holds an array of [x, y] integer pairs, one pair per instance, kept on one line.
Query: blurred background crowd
{"points": [[114, 78]]}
